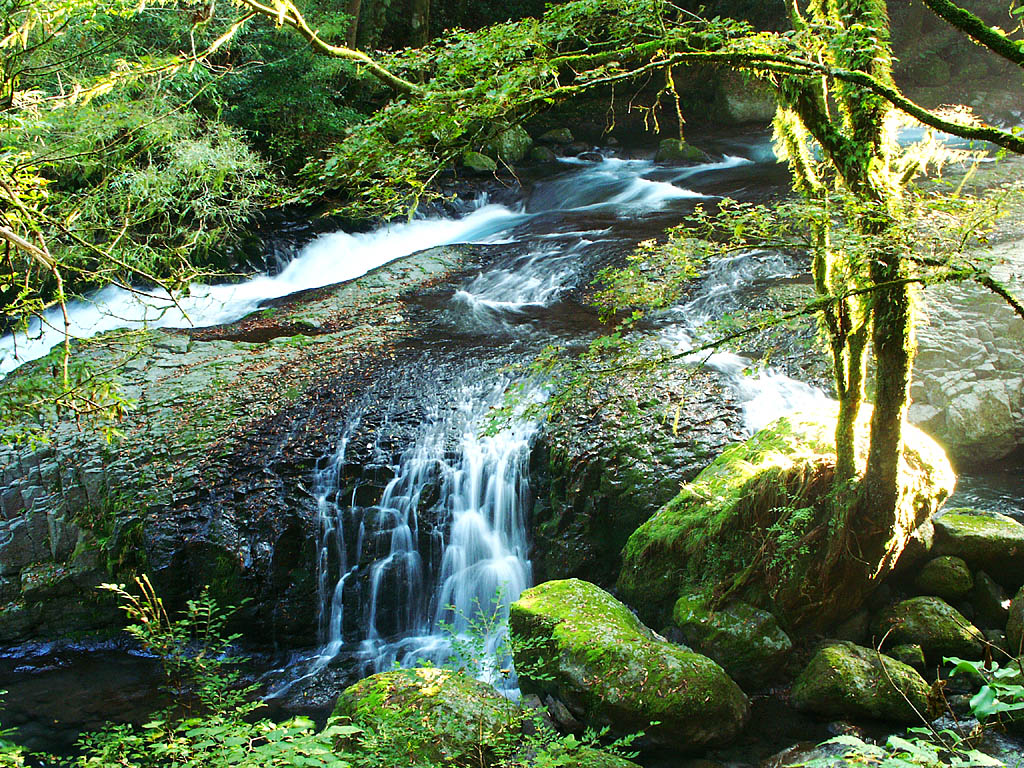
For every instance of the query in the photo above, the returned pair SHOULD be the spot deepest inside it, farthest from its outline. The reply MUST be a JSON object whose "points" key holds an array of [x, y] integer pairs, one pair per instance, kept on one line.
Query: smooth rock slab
{"points": [[847, 680], [933, 624], [581, 645], [986, 540]]}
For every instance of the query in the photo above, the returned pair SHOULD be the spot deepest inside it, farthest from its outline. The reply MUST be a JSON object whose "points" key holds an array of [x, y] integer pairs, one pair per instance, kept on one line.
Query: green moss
{"points": [[757, 523], [586, 648], [846, 680], [931, 623]]}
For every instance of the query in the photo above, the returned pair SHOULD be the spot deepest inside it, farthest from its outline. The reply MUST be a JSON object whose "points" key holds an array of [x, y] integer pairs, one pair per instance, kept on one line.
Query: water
{"points": [[422, 534]]}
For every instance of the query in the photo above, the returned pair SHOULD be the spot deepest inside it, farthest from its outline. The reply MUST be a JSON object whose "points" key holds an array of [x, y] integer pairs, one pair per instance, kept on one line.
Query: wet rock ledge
{"points": [[206, 482]]}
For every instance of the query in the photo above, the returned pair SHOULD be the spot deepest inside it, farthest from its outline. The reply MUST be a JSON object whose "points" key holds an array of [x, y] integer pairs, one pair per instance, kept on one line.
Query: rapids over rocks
{"points": [[421, 512]]}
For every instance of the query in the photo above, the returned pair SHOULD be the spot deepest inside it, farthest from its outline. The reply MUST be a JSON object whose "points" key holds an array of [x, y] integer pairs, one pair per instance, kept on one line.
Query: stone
{"points": [[946, 576], [556, 136], [542, 155], [1015, 625], [990, 601], [847, 680], [477, 161], [933, 624], [675, 151], [733, 518], [746, 641], [601, 474], [985, 540], [448, 716], [912, 655], [510, 146], [584, 647], [739, 98]]}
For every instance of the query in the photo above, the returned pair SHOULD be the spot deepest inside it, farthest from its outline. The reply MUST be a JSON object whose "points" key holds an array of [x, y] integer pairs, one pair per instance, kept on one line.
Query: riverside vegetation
{"points": [[823, 526]]}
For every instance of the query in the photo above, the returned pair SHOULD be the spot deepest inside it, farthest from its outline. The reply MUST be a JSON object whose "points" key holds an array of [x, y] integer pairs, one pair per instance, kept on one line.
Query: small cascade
{"points": [[440, 550]]}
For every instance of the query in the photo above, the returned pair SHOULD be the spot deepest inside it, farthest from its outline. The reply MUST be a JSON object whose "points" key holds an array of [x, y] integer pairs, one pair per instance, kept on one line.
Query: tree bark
{"points": [[419, 22], [352, 8]]}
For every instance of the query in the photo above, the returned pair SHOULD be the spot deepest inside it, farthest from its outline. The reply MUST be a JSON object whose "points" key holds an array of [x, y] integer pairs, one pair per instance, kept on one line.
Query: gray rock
{"points": [[1015, 625], [542, 155], [911, 655], [510, 146]]}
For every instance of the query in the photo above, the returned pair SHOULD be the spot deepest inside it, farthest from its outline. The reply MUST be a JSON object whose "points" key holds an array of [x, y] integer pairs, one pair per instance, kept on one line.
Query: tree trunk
{"points": [[352, 9], [419, 22]]}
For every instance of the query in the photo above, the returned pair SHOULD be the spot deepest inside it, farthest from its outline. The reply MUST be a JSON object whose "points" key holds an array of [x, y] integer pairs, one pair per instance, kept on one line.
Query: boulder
{"points": [[912, 655], [510, 146], [479, 162], [556, 136], [746, 641], [441, 716], [933, 624], [542, 155], [947, 577], [1015, 625], [603, 470], [757, 522], [584, 647], [847, 680], [740, 98], [986, 540], [677, 151], [990, 601]]}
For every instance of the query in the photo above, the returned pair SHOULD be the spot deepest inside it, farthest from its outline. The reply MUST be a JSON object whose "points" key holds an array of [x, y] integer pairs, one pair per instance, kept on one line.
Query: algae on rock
{"points": [[584, 647], [758, 525]]}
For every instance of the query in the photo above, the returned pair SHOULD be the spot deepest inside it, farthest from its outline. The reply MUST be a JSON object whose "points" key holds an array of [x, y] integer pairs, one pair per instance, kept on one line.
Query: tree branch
{"points": [[992, 38], [284, 12]]}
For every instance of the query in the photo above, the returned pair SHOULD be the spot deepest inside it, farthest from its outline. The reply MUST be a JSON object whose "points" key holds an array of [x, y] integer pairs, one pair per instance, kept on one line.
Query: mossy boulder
{"points": [[510, 146], [847, 680], [1015, 624], [947, 577], [986, 540], [443, 717], [479, 162], [585, 648], [758, 524], [557, 136], [990, 602], [746, 641], [677, 151], [606, 465], [933, 624]]}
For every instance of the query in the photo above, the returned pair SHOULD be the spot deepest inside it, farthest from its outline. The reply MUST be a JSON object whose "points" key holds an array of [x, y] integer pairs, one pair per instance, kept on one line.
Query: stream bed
{"points": [[422, 519]]}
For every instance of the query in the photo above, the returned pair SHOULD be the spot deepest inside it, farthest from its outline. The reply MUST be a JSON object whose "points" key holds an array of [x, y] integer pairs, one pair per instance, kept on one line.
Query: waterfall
{"points": [[440, 551]]}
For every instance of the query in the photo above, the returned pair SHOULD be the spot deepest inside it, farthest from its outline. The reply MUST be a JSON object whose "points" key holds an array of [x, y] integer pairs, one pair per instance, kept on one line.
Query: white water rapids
{"points": [[404, 572]]}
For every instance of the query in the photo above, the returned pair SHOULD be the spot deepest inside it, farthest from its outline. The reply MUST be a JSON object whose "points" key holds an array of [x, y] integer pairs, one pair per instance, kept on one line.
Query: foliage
{"points": [[1002, 689], [921, 748]]}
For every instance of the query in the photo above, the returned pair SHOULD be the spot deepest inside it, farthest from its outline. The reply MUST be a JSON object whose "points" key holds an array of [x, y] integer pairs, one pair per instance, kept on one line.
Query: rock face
{"points": [[746, 641], [208, 482], [968, 389], [986, 540], [602, 471], [933, 624], [755, 519], [442, 717], [510, 146], [585, 648], [846, 680]]}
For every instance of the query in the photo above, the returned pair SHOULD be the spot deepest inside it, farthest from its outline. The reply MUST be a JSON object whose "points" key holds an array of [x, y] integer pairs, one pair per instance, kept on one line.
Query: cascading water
{"points": [[404, 573], [418, 535]]}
